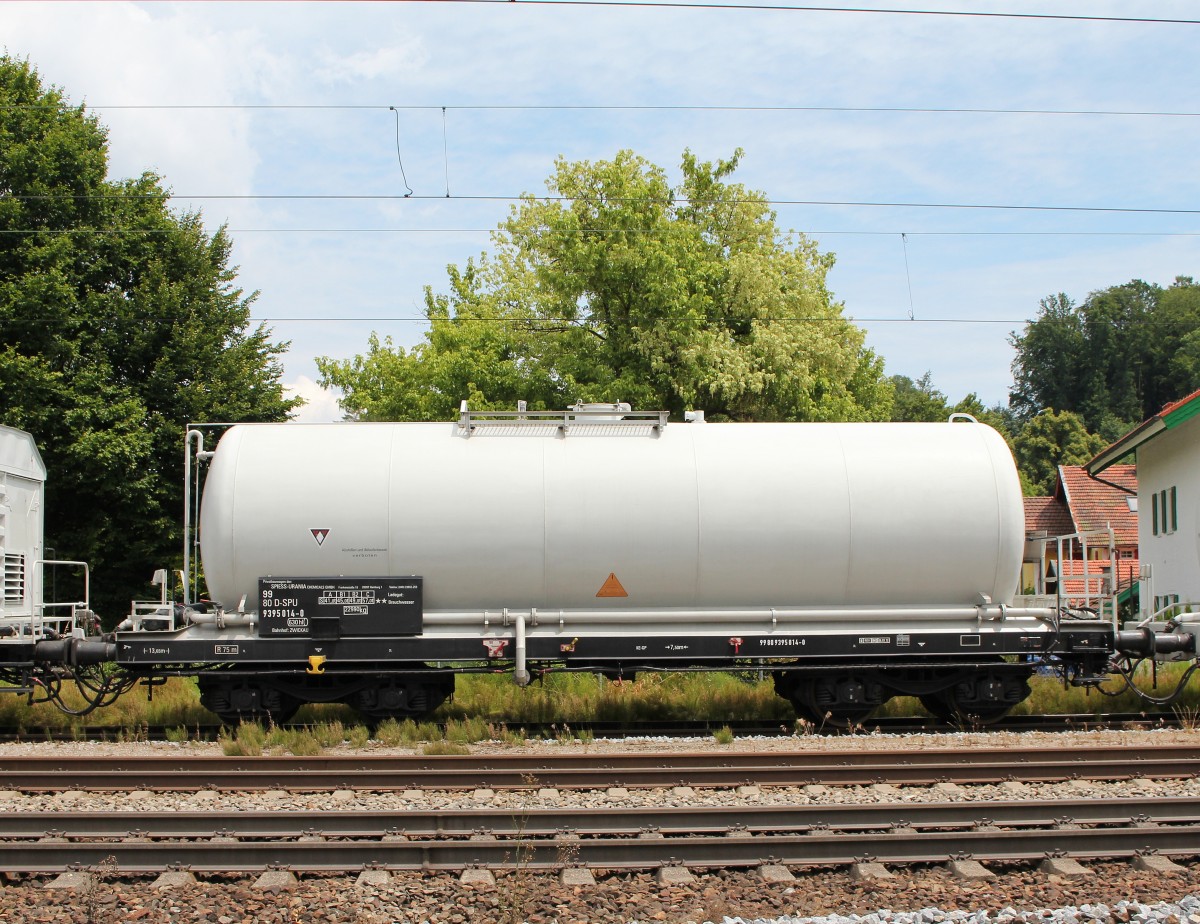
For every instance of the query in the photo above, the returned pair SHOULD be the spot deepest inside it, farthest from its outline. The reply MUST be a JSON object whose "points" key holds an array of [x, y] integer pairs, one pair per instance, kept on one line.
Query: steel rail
{"points": [[783, 728], [595, 822], [590, 770], [520, 760], [609, 853]]}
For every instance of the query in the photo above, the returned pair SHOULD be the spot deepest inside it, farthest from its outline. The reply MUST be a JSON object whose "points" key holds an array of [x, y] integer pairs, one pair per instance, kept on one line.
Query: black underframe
{"points": [[142, 653]]}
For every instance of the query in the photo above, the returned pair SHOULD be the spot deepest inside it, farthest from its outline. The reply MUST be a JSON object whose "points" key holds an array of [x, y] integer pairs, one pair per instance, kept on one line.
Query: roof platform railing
{"points": [[608, 415]]}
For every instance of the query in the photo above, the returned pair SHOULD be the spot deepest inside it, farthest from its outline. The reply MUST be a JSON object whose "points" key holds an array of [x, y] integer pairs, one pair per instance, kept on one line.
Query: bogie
{"points": [[843, 697], [277, 699]]}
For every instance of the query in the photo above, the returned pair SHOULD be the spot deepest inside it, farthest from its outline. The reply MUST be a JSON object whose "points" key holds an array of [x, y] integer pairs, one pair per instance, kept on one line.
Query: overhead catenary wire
{"points": [[616, 107], [794, 8], [409, 193], [561, 324], [398, 157], [527, 198], [564, 232], [445, 152], [806, 8], [570, 323], [908, 277]]}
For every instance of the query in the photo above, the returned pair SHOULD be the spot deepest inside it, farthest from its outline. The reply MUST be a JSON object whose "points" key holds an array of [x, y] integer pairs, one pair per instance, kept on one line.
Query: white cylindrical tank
{"points": [[703, 516]]}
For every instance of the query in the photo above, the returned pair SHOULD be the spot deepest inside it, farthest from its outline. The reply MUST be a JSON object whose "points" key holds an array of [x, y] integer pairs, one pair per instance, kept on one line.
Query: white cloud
{"points": [[406, 57], [140, 70], [320, 404]]}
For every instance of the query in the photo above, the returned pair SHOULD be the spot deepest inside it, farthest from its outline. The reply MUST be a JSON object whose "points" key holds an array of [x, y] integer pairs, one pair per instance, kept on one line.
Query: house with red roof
{"points": [[1083, 539], [1167, 449]]}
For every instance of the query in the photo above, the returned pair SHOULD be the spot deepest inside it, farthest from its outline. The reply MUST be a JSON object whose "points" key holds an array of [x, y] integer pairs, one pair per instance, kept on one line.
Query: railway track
{"points": [[609, 821], [610, 838], [588, 770], [600, 834]]}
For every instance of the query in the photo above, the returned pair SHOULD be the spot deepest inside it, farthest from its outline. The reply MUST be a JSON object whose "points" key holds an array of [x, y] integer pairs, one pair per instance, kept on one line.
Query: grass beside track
{"points": [[492, 707]]}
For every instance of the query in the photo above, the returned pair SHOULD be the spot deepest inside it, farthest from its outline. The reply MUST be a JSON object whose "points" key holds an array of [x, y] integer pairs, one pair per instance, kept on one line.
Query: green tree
{"points": [[1049, 440], [619, 286], [1115, 360], [998, 417], [1050, 360], [120, 322], [918, 401], [1175, 346]]}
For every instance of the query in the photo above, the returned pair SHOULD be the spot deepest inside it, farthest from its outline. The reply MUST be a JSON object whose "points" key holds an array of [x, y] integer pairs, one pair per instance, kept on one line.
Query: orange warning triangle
{"points": [[612, 587]]}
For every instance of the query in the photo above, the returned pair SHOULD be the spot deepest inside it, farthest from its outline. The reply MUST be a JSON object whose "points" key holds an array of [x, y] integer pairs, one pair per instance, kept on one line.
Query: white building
{"points": [[1168, 502]]}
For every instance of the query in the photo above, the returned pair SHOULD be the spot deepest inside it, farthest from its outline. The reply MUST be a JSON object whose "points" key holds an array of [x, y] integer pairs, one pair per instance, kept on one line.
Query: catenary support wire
{"points": [[399, 159], [907, 276], [445, 153]]}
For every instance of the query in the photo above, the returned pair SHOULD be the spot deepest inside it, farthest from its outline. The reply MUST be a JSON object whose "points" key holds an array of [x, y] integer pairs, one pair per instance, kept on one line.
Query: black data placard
{"points": [[339, 607]]}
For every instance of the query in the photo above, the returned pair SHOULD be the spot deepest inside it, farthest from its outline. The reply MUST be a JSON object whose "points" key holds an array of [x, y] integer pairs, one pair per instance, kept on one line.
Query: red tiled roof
{"points": [[1171, 416], [1094, 505], [1048, 515], [1176, 405]]}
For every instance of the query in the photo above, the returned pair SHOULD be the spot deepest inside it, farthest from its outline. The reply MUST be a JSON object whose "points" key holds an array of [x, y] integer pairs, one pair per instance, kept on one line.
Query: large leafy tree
{"points": [[1049, 440], [120, 322], [620, 286], [918, 401], [1115, 359]]}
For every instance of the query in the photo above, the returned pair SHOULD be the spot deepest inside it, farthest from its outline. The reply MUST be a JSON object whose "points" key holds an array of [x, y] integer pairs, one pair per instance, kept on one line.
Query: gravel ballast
{"points": [[1114, 892], [1114, 895]]}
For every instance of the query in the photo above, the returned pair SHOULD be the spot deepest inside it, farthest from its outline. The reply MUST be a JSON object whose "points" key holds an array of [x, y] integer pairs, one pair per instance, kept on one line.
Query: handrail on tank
{"points": [[606, 415], [188, 539]]}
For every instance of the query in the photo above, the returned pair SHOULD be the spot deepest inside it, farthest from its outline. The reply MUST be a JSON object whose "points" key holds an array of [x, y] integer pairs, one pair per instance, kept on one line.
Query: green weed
{"points": [[388, 733], [329, 734], [248, 740], [445, 747], [468, 731], [304, 744]]}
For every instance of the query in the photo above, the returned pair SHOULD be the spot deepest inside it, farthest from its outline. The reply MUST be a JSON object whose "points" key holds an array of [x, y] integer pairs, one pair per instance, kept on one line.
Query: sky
{"points": [[275, 119]]}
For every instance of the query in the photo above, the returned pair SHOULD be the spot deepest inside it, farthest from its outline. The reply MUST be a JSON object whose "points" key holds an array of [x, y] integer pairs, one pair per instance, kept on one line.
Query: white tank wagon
{"points": [[370, 563]]}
